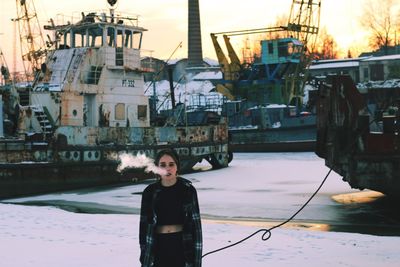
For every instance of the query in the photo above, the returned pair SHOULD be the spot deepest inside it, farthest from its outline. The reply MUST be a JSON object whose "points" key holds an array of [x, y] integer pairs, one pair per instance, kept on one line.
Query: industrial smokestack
{"points": [[195, 52]]}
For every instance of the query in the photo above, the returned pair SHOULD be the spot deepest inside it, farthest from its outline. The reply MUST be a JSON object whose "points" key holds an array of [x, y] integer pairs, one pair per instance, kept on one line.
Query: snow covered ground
{"points": [[256, 191], [49, 237]]}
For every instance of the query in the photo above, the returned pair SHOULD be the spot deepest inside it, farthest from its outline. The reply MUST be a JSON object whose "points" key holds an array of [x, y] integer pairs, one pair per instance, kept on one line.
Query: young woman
{"points": [[170, 227]]}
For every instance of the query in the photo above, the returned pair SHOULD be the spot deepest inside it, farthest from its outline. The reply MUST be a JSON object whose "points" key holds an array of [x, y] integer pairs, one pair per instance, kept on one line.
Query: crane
{"points": [[301, 31], [33, 46], [303, 25], [304, 21]]}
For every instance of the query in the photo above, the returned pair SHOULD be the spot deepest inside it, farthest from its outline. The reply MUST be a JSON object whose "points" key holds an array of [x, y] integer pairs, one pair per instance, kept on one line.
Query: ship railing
{"points": [[44, 119], [92, 16], [211, 102]]}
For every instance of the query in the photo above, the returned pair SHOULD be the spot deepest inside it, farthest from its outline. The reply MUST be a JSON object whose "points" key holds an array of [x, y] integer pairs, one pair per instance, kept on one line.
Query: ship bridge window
{"points": [[65, 41], [120, 111], [111, 36], [124, 38], [133, 39], [78, 39], [95, 36], [120, 39], [128, 39], [137, 40], [119, 56], [142, 112]]}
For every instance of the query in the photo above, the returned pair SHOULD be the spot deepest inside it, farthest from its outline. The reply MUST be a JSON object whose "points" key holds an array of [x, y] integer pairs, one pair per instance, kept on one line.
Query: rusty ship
{"points": [[86, 106], [358, 134]]}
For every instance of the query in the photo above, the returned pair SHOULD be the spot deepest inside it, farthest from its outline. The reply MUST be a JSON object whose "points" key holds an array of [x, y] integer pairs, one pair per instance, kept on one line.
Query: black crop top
{"points": [[169, 206]]}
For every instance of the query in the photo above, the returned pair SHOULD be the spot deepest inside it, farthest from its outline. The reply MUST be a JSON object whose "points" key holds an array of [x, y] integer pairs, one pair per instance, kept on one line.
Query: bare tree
{"points": [[379, 19], [325, 46]]}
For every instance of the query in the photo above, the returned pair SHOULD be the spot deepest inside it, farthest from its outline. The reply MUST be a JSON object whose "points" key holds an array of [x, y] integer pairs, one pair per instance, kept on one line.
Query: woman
{"points": [[170, 227]]}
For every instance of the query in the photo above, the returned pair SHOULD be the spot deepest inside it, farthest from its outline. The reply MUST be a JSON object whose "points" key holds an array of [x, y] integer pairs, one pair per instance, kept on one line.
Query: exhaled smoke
{"points": [[139, 161]]}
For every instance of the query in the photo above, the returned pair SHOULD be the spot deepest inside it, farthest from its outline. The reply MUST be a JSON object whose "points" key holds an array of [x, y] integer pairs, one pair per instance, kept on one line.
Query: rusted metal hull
{"points": [[90, 158], [363, 148], [23, 179]]}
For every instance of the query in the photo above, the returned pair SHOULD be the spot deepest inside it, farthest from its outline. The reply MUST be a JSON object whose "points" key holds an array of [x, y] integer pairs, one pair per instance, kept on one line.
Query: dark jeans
{"points": [[169, 250]]}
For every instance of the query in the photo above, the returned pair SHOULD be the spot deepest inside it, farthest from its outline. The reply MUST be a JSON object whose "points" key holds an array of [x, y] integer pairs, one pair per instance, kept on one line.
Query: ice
{"points": [[257, 190], [48, 237]]}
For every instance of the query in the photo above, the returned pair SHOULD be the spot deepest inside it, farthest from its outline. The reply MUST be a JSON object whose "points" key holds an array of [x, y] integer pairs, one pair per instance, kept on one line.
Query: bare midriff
{"points": [[166, 229]]}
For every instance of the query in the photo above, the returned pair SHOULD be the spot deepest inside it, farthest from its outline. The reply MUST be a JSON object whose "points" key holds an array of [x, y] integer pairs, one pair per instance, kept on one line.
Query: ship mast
{"points": [[33, 48]]}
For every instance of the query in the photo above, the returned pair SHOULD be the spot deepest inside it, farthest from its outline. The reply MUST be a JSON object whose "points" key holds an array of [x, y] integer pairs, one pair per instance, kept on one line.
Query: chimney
{"points": [[195, 52]]}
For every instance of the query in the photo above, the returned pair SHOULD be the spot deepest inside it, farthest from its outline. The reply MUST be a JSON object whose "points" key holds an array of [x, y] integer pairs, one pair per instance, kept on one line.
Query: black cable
{"points": [[267, 232]]}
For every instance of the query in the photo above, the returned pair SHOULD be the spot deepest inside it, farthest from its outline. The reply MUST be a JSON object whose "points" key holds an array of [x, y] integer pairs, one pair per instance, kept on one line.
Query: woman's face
{"points": [[168, 163]]}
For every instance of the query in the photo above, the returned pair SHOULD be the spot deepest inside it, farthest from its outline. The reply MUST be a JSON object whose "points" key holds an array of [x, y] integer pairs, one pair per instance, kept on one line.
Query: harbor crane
{"points": [[300, 31]]}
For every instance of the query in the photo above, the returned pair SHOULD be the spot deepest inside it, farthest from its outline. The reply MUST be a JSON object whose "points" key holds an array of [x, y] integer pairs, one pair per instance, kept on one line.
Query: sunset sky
{"points": [[167, 20]]}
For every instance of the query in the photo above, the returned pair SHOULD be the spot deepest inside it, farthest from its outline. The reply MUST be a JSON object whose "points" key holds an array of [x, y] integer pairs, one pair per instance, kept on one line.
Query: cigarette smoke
{"points": [[139, 161]]}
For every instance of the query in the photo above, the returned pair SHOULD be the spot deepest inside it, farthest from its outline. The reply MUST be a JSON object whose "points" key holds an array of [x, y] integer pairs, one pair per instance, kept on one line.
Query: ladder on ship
{"points": [[44, 120]]}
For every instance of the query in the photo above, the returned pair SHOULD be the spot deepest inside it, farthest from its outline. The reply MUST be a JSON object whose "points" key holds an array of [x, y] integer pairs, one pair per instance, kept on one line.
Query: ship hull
{"points": [[295, 146], [79, 157], [298, 139], [24, 179], [361, 147], [38, 177]]}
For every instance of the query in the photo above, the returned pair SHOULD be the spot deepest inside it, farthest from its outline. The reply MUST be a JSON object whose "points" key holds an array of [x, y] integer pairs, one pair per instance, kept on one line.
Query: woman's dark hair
{"points": [[170, 152]]}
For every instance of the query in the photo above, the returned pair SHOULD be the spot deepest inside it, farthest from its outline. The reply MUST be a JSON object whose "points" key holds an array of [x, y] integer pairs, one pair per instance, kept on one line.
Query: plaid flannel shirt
{"points": [[192, 233]]}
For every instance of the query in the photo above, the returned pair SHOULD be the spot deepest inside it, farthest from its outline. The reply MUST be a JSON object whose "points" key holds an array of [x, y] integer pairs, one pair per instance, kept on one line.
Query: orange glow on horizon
{"points": [[167, 23]]}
